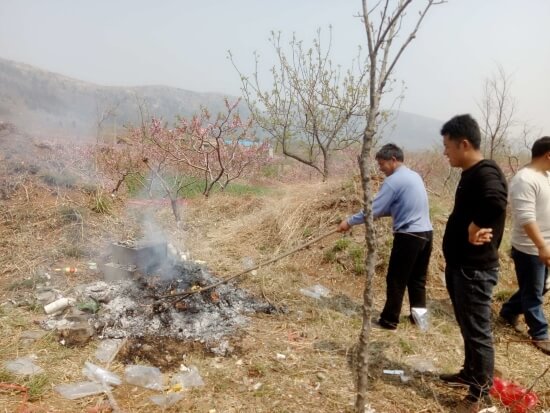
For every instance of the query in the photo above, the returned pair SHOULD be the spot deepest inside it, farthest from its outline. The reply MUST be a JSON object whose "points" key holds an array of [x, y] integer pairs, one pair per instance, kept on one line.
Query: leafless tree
{"points": [[383, 21], [313, 108], [105, 111], [497, 108]]}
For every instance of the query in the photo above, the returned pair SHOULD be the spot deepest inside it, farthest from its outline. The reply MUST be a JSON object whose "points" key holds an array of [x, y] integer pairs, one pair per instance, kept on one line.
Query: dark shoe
{"points": [[383, 324], [542, 345], [472, 405], [455, 380], [513, 322]]}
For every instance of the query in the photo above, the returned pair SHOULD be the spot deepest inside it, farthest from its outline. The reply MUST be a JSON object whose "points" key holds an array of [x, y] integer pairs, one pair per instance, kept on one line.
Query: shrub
{"points": [[59, 180]]}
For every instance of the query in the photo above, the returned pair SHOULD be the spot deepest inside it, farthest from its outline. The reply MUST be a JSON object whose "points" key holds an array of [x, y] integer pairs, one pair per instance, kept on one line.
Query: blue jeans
{"points": [[471, 292], [528, 300]]}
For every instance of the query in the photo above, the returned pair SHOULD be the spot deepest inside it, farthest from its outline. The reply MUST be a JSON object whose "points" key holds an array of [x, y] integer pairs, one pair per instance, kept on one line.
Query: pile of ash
{"points": [[136, 308]]}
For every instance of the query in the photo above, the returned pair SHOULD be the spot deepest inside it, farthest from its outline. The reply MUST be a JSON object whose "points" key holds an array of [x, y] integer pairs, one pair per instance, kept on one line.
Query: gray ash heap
{"points": [[141, 305]]}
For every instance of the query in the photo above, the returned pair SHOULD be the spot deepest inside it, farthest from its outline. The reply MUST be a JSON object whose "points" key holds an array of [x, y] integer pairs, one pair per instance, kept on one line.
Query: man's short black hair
{"points": [[463, 127], [540, 147], [389, 151]]}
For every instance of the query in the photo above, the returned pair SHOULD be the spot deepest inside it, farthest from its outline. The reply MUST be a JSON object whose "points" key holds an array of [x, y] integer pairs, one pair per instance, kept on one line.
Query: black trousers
{"points": [[407, 269], [471, 291]]}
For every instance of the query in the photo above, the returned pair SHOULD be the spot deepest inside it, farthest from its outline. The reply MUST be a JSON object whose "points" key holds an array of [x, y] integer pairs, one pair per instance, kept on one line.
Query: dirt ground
{"points": [[299, 359]]}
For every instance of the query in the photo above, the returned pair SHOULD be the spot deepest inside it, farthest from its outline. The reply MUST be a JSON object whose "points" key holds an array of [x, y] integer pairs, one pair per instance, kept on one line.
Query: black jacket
{"points": [[481, 198]]}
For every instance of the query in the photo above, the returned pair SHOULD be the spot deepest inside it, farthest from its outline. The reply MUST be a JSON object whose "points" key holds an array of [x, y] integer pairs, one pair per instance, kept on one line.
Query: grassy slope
{"points": [[315, 337]]}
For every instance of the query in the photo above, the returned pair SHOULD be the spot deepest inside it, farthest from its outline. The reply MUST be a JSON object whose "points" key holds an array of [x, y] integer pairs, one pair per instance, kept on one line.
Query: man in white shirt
{"points": [[530, 201]]}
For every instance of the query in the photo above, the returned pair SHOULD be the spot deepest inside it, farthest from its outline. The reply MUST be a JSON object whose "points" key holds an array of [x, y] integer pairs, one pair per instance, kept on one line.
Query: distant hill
{"points": [[45, 103], [412, 131], [42, 102]]}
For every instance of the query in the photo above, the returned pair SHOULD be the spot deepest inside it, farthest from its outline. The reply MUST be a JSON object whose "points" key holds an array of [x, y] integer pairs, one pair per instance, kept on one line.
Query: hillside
{"points": [[45, 103], [296, 359], [42, 102]]}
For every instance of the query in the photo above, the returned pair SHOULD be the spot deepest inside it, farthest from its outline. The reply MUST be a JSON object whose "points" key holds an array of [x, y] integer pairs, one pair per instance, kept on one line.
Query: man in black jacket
{"points": [[470, 246]]}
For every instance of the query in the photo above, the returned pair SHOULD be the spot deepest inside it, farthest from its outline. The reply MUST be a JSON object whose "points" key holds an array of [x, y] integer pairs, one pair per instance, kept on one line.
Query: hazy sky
{"points": [[184, 43]]}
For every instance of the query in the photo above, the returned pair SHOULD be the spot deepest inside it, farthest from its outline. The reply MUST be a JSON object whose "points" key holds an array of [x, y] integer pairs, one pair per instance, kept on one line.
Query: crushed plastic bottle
{"points": [[144, 376], [512, 395], [81, 389], [100, 375], [190, 378], [316, 291], [166, 400], [108, 349], [23, 366]]}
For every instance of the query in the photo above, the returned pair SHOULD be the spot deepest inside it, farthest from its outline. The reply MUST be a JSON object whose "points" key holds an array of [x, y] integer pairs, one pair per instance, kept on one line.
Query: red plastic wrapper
{"points": [[518, 399]]}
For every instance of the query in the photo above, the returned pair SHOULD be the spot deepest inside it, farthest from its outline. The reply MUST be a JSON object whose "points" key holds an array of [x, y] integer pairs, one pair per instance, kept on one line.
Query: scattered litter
{"points": [[257, 386], [166, 400], [316, 291], [321, 376], [404, 378], [67, 270], [45, 296], [80, 389], [57, 305], [222, 349], [108, 349], [247, 263], [92, 266], [23, 366], [513, 395], [29, 337], [393, 372], [401, 373], [442, 278], [420, 317], [421, 364], [99, 374], [369, 409], [143, 376], [190, 378], [280, 356], [492, 409]]}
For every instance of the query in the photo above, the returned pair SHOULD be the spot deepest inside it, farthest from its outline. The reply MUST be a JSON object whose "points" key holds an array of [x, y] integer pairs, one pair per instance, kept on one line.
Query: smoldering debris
{"points": [[132, 308]]}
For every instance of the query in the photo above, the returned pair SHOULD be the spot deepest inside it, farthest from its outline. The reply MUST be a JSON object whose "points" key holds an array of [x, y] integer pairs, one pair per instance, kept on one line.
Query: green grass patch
{"points": [[342, 244], [38, 385], [101, 203], [502, 295], [406, 347], [189, 187], [25, 284], [357, 255], [6, 376]]}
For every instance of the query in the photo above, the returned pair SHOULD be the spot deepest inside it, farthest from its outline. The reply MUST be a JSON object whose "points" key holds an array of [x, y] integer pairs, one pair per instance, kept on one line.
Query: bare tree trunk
{"points": [[363, 348], [380, 38]]}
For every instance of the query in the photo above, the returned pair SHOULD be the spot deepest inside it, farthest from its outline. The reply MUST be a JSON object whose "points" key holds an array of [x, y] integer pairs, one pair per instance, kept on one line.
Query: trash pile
{"points": [[147, 304]]}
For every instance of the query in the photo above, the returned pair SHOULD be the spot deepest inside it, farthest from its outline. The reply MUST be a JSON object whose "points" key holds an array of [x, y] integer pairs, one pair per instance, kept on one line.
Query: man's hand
{"points": [[343, 226], [479, 236], [544, 255]]}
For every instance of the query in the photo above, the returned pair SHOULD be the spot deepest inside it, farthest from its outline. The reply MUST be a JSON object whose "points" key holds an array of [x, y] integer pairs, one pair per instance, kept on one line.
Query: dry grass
{"points": [[298, 360]]}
